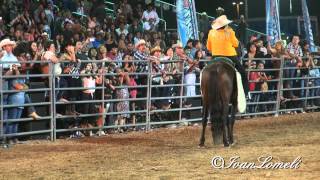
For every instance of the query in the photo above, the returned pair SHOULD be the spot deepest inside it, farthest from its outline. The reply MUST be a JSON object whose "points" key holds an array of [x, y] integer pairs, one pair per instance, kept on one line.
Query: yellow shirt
{"points": [[222, 42]]}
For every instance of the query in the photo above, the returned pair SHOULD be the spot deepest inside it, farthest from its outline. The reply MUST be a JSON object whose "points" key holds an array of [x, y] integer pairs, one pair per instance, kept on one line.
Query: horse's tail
{"points": [[234, 97], [214, 92]]}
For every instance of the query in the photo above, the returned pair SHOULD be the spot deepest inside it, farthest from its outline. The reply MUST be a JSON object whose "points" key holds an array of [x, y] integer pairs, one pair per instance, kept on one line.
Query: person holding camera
{"points": [[10, 64]]}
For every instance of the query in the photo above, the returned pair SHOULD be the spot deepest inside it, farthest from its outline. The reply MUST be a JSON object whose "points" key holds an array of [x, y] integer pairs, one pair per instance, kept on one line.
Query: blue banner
{"points": [[273, 21], [307, 26], [187, 20]]}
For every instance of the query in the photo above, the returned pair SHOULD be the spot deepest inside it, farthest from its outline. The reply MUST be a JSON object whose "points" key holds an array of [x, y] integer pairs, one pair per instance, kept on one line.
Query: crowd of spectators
{"points": [[299, 63], [68, 33]]}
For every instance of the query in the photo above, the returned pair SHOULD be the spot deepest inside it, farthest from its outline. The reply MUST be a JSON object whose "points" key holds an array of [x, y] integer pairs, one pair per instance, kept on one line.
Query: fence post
{"points": [[181, 94], [280, 85], [52, 82], [1, 108], [149, 90], [103, 95], [306, 91]]}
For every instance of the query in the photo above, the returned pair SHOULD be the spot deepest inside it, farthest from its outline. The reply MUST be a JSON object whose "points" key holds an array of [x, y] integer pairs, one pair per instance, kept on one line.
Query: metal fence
{"points": [[145, 108]]}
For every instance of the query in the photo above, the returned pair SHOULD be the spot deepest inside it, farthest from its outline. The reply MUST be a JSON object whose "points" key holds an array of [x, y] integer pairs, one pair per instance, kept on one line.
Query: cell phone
{"points": [[91, 39]]}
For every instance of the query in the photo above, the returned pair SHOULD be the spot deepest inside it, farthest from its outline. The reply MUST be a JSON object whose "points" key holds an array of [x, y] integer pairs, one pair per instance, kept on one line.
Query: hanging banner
{"points": [[187, 20], [307, 25], [273, 21]]}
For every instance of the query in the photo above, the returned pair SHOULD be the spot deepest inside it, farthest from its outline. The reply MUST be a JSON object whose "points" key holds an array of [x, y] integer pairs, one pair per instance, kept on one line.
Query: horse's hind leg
{"points": [[225, 129], [204, 125], [231, 120]]}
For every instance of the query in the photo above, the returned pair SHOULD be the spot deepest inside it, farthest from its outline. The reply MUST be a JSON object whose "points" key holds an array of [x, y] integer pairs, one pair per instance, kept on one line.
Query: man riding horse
{"points": [[222, 42], [220, 85]]}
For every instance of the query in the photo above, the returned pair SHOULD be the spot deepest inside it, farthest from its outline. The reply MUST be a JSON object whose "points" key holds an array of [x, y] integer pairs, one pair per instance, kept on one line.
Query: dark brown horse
{"points": [[219, 89]]}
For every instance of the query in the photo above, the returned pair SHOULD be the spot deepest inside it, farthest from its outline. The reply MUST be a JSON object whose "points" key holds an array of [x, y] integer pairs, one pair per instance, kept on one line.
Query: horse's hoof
{"points": [[226, 145], [201, 146]]}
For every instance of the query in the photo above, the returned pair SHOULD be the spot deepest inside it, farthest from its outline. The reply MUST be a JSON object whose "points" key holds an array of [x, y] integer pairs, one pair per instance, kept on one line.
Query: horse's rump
{"points": [[218, 86]]}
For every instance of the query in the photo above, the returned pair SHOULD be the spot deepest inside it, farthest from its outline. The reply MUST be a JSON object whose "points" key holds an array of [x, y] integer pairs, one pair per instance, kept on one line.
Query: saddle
{"points": [[225, 60]]}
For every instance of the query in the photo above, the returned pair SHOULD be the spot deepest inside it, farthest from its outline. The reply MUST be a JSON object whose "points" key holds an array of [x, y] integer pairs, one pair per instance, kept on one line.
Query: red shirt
{"points": [[253, 76]]}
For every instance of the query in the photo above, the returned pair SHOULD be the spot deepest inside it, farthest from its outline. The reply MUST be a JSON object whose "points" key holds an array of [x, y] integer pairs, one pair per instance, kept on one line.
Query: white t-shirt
{"points": [[150, 15]]}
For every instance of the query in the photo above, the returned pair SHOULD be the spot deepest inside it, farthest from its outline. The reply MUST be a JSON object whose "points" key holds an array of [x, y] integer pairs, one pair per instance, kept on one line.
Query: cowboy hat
{"points": [[219, 9], [179, 44], [6, 42], [140, 42], [220, 22], [155, 49], [44, 34]]}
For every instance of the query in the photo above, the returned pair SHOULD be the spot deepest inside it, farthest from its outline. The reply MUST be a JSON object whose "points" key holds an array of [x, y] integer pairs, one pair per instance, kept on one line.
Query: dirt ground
{"points": [[171, 153]]}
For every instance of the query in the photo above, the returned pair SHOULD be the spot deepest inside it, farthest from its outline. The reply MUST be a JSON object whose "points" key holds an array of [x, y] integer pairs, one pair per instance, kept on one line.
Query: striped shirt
{"points": [[141, 66]]}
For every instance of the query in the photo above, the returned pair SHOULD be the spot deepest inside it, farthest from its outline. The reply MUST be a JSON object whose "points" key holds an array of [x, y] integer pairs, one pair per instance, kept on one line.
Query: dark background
{"points": [[256, 8]]}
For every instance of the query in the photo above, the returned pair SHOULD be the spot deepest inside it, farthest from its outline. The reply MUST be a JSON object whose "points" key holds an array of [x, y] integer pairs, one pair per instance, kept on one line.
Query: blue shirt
{"points": [[6, 58]]}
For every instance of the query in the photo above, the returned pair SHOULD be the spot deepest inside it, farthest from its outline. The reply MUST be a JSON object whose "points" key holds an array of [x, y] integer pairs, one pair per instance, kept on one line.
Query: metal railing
{"points": [[149, 112]]}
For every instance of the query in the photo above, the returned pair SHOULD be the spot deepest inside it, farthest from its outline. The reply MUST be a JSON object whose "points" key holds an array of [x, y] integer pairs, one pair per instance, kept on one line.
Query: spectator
{"points": [[89, 83], [253, 78], [129, 67], [17, 99], [122, 30], [6, 56], [295, 52], [137, 37], [50, 56], [98, 40], [122, 93], [157, 69], [251, 54], [136, 27], [315, 74], [138, 11], [114, 55], [125, 9], [150, 18], [188, 48], [196, 46], [262, 86], [190, 71], [11, 68], [71, 66], [307, 64]]}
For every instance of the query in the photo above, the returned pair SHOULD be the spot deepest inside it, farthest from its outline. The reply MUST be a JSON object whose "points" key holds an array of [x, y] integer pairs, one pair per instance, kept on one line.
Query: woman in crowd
{"points": [[307, 64], [122, 93], [128, 66], [190, 72], [279, 53], [89, 83], [262, 86], [253, 79], [251, 54]]}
